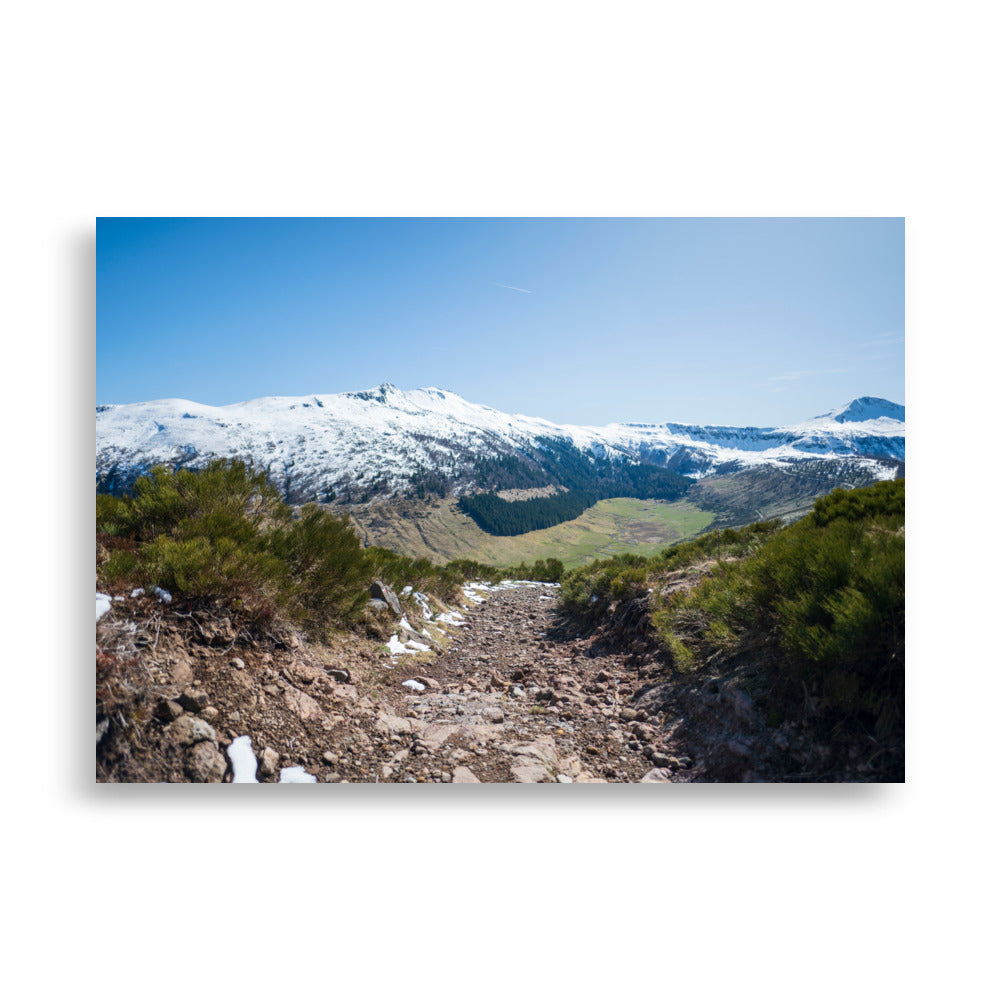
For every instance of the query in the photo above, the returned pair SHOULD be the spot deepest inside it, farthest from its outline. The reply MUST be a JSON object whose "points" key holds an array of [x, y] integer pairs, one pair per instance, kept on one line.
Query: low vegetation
{"points": [[223, 535], [814, 611], [590, 589]]}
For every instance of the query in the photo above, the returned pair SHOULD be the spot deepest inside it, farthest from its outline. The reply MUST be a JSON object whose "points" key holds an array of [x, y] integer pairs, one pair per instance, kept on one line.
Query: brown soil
{"points": [[516, 693]]}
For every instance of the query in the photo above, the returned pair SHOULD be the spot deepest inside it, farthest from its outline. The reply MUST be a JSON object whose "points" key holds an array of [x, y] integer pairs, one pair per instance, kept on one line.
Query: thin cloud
{"points": [[786, 377], [513, 288], [885, 338], [794, 376]]}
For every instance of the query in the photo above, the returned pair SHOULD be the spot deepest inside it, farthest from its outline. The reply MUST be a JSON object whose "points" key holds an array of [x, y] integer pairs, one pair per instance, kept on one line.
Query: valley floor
{"points": [[438, 531]]}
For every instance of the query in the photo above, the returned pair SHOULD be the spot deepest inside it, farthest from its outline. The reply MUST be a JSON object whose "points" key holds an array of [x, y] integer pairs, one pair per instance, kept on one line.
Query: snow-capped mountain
{"points": [[343, 445]]}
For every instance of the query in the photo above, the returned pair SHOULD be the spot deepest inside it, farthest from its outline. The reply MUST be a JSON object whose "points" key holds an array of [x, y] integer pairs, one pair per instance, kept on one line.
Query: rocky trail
{"points": [[520, 696], [512, 693]]}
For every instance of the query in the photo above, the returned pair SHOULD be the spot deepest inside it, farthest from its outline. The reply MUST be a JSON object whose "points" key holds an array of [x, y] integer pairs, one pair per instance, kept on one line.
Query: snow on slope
{"points": [[312, 444]]}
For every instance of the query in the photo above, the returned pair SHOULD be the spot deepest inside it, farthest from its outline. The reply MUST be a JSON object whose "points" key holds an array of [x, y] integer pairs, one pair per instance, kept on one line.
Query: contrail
{"points": [[513, 288]]}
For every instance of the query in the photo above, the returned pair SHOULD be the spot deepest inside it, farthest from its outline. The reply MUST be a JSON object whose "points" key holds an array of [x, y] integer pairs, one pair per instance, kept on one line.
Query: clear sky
{"points": [[586, 321]]}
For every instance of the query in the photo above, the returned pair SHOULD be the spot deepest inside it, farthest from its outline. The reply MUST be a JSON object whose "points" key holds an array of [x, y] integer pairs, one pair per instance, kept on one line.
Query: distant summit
{"points": [[868, 408]]}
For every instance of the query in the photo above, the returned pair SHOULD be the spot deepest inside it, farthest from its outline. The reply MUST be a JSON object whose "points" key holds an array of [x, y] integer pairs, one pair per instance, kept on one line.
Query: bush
{"points": [[327, 570], [590, 589], [223, 534], [827, 597]]}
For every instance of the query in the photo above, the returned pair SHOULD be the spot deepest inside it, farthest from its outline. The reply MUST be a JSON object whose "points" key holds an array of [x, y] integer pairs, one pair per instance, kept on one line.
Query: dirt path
{"points": [[521, 697], [515, 694]]}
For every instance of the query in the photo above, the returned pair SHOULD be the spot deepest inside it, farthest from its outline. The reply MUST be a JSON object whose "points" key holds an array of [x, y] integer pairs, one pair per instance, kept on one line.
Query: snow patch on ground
{"points": [[414, 685], [395, 646], [103, 605], [240, 752], [296, 776]]}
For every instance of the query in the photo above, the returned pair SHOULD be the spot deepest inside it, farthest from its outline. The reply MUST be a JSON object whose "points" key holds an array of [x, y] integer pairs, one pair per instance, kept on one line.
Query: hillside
{"points": [[240, 641], [437, 530]]}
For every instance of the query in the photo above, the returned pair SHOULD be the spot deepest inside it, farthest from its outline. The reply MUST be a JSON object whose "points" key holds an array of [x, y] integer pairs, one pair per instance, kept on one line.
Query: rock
{"points": [[300, 703], [662, 760], [564, 779], [188, 730], [168, 710], [204, 763], [268, 766], [378, 605], [494, 715], [209, 713], [528, 771], [428, 682], [236, 663], [337, 674], [657, 774], [628, 714], [383, 593], [463, 776]]}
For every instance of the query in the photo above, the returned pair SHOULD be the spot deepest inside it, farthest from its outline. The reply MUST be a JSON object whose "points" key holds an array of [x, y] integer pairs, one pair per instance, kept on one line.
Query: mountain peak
{"points": [[867, 408]]}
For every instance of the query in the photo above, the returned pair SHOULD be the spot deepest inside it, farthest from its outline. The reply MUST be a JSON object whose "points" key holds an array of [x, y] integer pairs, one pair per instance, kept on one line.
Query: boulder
{"points": [[382, 592], [268, 766], [657, 774], [188, 730], [301, 704], [203, 762], [168, 710], [193, 700]]}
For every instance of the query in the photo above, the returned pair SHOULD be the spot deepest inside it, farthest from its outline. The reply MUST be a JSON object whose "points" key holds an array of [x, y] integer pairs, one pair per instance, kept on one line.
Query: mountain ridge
{"points": [[346, 446]]}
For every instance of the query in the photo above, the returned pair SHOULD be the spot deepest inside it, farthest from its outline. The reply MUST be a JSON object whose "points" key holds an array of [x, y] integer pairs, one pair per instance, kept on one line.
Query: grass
{"points": [[437, 530]]}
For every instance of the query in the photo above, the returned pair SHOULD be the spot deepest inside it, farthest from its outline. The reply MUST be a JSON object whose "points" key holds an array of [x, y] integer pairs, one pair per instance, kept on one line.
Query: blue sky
{"points": [[743, 321]]}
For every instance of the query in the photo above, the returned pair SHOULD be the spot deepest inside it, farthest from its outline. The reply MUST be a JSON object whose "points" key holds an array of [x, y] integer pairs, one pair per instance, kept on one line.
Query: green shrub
{"points": [[326, 568], [590, 589], [224, 534], [826, 595]]}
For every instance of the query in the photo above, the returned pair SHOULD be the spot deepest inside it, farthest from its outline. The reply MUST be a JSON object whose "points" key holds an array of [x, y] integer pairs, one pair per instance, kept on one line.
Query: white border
{"points": [[541, 109]]}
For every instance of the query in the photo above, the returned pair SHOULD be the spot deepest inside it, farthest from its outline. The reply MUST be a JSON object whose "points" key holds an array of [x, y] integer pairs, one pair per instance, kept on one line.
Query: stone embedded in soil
{"points": [[269, 761], [657, 774], [381, 592], [463, 776], [193, 700], [204, 763], [168, 710], [188, 730], [302, 704]]}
